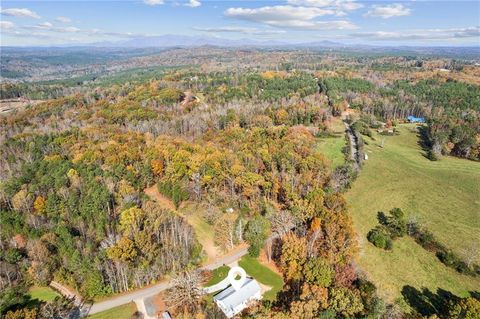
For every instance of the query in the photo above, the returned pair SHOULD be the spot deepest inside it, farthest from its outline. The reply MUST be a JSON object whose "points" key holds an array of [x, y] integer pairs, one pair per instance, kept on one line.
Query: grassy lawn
{"points": [[441, 195], [263, 274], [218, 275], [203, 230], [331, 147], [121, 312], [42, 293]]}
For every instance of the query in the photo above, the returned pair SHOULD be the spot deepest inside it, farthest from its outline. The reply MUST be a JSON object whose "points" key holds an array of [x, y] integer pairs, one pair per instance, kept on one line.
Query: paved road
{"points": [[155, 289]]}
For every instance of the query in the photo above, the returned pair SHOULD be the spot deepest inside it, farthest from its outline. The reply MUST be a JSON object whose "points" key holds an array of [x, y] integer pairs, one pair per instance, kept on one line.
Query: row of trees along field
{"points": [[73, 172], [452, 109]]}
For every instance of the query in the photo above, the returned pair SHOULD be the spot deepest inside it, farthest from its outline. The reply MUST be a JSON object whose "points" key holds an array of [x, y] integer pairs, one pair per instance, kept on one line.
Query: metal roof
{"points": [[231, 298]]}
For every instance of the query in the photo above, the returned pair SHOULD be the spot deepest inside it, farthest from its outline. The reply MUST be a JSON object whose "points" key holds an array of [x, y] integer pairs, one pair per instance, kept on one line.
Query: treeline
{"points": [[464, 265], [395, 225], [454, 133], [448, 95], [395, 101], [453, 126]]}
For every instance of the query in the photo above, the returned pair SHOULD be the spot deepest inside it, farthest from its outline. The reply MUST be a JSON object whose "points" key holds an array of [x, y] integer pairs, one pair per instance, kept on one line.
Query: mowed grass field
{"points": [[263, 275], [42, 293], [121, 312], [332, 146], [444, 196]]}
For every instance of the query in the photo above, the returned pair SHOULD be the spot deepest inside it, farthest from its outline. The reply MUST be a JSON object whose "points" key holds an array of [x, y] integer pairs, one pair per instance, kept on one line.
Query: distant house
{"points": [[413, 119], [233, 300]]}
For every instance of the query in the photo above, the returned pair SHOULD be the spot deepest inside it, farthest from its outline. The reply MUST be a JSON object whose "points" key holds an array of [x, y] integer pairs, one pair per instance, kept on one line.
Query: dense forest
{"points": [[74, 169]]}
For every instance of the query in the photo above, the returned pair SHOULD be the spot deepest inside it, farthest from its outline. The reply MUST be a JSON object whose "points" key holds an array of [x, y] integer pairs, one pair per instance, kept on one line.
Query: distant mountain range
{"points": [[155, 43], [168, 41], [184, 41]]}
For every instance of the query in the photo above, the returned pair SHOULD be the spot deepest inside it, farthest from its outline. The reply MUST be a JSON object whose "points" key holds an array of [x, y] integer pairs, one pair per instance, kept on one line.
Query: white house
{"points": [[237, 296]]}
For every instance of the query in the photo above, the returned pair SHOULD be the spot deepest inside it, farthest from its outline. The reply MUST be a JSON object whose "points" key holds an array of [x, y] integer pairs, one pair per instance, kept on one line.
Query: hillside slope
{"points": [[441, 195]]}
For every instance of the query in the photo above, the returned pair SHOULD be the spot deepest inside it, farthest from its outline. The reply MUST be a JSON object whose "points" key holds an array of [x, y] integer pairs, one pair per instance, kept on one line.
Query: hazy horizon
{"points": [[350, 22]]}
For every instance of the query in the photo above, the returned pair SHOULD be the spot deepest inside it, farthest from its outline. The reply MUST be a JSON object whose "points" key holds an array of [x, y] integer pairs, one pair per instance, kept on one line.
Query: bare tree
{"points": [[186, 291], [282, 223], [470, 254], [59, 308], [393, 312]]}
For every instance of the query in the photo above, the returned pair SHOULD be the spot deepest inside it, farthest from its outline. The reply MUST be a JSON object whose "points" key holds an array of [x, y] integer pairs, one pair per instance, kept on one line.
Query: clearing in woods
{"points": [[203, 230], [332, 146], [42, 293], [441, 195], [190, 211]]}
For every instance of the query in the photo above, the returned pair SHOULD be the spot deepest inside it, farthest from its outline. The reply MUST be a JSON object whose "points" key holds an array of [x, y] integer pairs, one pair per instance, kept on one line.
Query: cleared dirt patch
{"points": [[162, 200], [10, 105]]}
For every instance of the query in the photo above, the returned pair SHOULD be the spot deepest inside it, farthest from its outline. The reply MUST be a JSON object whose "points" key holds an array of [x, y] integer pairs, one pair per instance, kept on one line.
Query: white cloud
{"points": [[6, 25], [421, 34], [48, 27], [41, 37], [153, 2], [312, 3], [467, 33], [244, 30], [45, 25], [70, 29], [33, 35], [388, 11], [347, 5], [19, 12], [277, 13], [193, 4], [63, 19], [290, 17]]}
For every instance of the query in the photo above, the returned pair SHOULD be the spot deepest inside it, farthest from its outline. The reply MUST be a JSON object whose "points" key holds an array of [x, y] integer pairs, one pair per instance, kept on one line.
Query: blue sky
{"points": [[419, 22]]}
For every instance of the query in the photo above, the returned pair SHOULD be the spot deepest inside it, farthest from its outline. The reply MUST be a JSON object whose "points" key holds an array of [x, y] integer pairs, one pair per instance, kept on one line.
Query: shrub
{"points": [[432, 156], [380, 237], [396, 224], [426, 239], [447, 257]]}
